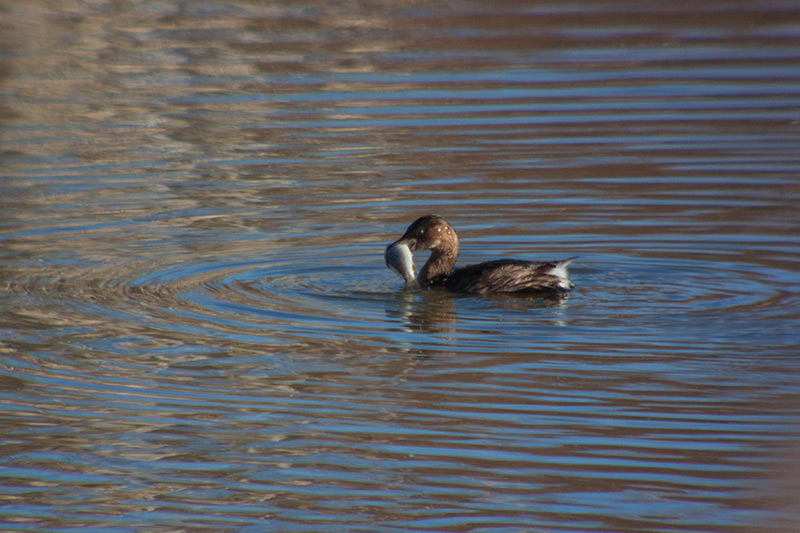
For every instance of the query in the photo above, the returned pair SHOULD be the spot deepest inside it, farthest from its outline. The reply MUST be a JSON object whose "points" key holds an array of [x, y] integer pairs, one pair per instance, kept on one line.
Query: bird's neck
{"points": [[440, 263]]}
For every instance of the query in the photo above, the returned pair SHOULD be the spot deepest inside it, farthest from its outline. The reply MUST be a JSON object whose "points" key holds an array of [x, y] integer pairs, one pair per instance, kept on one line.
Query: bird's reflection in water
{"points": [[436, 310]]}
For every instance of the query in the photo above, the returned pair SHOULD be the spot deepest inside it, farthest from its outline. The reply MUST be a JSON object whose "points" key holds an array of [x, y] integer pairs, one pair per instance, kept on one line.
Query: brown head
{"points": [[431, 232]]}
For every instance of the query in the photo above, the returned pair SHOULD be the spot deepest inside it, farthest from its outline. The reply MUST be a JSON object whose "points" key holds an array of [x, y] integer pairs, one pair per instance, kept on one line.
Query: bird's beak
{"points": [[410, 242]]}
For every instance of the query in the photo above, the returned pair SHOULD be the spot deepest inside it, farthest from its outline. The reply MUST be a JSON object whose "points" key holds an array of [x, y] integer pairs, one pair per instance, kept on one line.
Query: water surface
{"points": [[197, 330]]}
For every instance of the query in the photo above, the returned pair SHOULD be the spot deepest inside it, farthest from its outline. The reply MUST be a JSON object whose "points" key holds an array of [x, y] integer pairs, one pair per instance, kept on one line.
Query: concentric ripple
{"points": [[293, 296], [290, 295]]}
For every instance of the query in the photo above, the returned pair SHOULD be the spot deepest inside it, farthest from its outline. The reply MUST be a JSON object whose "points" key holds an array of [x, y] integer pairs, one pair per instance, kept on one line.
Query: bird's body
{"points": [[507, 275]]}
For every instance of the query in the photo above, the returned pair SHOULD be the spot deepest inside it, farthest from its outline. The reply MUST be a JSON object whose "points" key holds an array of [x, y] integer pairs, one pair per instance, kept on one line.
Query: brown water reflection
{"points": [[197, 330]]}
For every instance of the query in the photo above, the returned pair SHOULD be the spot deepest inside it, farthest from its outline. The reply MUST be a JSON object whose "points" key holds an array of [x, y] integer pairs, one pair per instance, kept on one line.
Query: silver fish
{"points": [[401, 262]]}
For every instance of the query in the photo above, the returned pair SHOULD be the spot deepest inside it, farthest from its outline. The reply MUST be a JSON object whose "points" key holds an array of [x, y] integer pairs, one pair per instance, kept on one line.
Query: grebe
{"points": [[433, 233]]}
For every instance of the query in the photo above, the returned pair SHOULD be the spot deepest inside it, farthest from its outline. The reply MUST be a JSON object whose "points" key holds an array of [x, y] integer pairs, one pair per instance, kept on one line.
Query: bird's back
{"points": [[509, 276]]}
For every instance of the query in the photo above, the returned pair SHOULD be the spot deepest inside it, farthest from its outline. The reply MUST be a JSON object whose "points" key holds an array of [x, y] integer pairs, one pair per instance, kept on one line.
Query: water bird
{"points": [[432, 232]]}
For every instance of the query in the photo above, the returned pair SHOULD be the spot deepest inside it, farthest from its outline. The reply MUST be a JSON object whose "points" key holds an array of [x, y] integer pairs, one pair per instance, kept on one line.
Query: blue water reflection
{"points": [[198, 331]]}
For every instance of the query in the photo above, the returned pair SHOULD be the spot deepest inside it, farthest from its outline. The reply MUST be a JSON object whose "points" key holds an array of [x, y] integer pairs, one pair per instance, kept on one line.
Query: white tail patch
{"points": [[560, 272]]}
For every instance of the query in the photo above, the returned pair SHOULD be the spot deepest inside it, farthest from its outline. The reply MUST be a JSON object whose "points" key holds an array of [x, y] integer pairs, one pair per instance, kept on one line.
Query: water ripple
{"points": [[197, 330]]}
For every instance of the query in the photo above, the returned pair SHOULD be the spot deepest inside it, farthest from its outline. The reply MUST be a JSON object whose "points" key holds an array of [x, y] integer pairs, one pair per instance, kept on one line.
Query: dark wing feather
{"points": [[507, 275]]}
